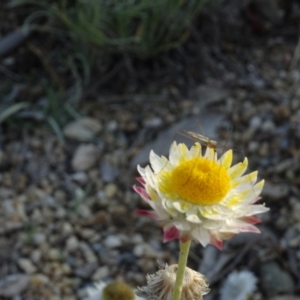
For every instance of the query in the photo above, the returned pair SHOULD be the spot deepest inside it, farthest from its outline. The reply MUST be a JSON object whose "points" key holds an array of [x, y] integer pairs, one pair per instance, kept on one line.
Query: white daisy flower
{"points": [[200, 197], [111, 291]]}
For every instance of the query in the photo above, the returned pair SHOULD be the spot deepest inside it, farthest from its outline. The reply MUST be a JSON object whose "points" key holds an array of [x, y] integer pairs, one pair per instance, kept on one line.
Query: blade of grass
{"points": [[13, 109], [54, 125]]}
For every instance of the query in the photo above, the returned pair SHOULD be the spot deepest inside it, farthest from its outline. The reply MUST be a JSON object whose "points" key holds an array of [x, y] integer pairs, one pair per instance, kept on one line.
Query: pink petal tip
{"points": [[141, 180], [141, 191], [217, 243], [251, 220], [171, 233], [255, 200], [146, 213]]}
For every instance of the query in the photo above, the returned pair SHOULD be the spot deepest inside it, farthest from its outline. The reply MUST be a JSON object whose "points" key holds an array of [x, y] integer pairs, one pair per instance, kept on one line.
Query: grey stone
{"points": [[113, 241], [153, 122], [13, 285], [80, 177], [101, 273], [88, 253], [108, 172], [83, 130], [275, 191], [72, 243], [275, 280], [26, 265], [85, 157], [86, 270]]}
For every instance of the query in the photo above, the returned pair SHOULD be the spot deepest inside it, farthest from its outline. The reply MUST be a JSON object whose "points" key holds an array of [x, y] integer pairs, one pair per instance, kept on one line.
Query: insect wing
{"points": [[205, 140]]}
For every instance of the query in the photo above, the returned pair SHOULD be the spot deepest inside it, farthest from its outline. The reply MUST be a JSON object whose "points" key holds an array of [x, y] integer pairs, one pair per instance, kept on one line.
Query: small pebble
{"points": [[72, 244], [100, 274], [83, 130], [26, 265], [275, 280], [111, 190], [85, 157], [112, 241]]}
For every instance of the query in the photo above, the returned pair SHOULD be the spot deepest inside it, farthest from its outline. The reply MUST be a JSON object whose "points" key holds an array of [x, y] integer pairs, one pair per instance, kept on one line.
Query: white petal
{"points": [[184, 151], [226, 159], [157, 163], [141, 171], [201, 235], [248, 179], [160, 210], [149, 178], [238, 169], [182, 226], [256, 209], [236, 226], [174, 154], [181, 206], [193, 218], [168, 205], [195, 150], [215, 212], [212, 225], [211, 154]]}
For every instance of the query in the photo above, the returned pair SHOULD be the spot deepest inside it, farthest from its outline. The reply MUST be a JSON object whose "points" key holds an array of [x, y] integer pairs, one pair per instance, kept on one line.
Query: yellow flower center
{"points": [[199, 181]]}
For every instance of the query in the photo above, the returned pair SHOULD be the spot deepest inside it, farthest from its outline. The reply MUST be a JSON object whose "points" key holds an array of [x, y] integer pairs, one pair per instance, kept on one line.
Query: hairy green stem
{"points": [[184, 252]]}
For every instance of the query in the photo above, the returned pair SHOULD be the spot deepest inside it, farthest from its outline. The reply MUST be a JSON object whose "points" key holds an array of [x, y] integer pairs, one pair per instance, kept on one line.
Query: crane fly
{"points": [[201, 138]]}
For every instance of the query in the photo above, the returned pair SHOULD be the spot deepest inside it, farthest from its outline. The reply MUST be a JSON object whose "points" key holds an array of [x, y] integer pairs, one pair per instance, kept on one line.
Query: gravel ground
{"points": [[67, 207]]}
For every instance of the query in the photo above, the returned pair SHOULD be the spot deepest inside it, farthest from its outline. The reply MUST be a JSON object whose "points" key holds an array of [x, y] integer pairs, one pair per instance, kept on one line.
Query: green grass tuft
{"points": [[142, 27]]}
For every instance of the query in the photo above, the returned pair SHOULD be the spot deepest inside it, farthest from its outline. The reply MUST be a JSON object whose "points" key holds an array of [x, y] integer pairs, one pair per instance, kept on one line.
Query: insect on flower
{"points": [[206, 141]]}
